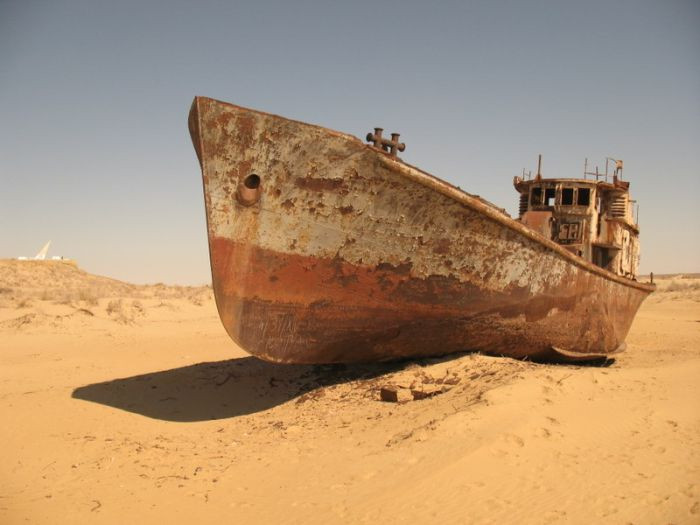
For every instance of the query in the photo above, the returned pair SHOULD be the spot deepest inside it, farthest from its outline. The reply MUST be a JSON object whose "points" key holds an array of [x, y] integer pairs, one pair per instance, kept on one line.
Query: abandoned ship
{"points": [[325, 249]]}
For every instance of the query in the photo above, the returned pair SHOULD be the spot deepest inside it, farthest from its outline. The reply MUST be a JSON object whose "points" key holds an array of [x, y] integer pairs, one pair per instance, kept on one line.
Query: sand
{"points": [[128, 403]]}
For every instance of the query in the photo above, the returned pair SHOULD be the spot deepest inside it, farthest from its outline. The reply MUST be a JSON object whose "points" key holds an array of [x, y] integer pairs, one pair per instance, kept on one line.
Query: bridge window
{"points": [[549, 195], [536, 196], [567, 196], [584, 197]]}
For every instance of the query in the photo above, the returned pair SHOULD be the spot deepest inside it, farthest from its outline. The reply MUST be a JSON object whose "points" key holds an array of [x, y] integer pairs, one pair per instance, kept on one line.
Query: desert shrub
{"points": [[195, 299], [115, 309], [166, 304], [137, 307], [681, 286], [115, 306], [65, 298], [125, 313], [122, 318], [88, 296]]}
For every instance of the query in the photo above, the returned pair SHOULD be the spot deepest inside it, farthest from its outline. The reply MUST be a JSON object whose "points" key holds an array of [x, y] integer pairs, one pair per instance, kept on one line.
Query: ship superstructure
{"points": [[592, 217]]}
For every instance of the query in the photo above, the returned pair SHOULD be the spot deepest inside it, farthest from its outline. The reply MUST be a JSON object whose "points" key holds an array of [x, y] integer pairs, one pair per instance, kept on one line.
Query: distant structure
{"points": [[41, 256], [42, 253]]}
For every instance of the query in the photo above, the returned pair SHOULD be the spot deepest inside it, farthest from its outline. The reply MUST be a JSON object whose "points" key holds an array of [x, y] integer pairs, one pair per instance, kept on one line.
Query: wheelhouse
{"points": [[592, 217]]}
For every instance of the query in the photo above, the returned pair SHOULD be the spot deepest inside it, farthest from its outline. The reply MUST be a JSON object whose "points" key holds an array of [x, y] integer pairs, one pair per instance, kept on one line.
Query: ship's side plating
{"points": [[326, 250]]}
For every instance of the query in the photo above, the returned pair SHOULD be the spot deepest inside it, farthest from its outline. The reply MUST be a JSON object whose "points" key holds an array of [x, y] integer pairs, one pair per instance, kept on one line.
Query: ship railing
{"points": [[605, 176]]}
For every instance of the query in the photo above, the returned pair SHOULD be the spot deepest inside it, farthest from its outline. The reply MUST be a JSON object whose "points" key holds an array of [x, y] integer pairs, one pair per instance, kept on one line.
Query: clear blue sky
{"points": [[95, 154]]}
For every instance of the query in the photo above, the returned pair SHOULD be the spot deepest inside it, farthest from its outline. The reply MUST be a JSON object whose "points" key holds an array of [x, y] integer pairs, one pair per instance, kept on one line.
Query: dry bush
{"points": [[20, 322], [199, 295], [165, 304], [682, 286], [115, 306], [88, 296], [195, 298], [6, 297], [677, 284], [119, 315], [137, 308], [123, 313], [677, 288], [66, 298]]}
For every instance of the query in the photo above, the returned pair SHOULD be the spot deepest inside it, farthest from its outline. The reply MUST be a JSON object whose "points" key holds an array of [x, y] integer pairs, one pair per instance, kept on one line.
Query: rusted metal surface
{"points": [[351, 255], [539, 221]]}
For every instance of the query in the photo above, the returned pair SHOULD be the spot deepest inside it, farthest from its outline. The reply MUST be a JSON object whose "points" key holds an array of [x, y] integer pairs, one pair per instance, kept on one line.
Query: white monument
{"points": [[41, 256]]}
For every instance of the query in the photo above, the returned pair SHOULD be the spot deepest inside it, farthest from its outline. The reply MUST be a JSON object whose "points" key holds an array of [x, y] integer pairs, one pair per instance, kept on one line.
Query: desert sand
{"points": [[122, 403]]}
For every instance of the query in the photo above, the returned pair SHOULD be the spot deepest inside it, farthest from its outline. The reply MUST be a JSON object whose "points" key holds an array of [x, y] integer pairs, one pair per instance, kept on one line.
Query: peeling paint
{"points": [[351, 255]]}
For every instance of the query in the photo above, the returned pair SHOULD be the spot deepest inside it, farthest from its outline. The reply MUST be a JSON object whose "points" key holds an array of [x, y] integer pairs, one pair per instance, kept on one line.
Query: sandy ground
{"points": [[127, 403]]}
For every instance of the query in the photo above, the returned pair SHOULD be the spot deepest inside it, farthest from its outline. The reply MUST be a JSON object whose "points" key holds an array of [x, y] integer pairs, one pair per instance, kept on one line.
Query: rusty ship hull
{"points": [[326, 250]]}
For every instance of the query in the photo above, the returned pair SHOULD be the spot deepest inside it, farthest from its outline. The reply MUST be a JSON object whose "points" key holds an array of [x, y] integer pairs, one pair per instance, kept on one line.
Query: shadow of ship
{"points": [[223, 389], [236, 387]]}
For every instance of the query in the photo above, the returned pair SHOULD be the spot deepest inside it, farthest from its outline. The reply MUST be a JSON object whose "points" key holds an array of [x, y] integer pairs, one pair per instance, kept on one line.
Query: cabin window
{"points": [[584, 196], [536, 196], [567, 196], [602, 257], [549, 195]]}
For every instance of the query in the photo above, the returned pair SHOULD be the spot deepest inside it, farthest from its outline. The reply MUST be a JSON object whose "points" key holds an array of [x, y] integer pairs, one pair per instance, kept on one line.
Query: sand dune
{"points": [[130, 403]]}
